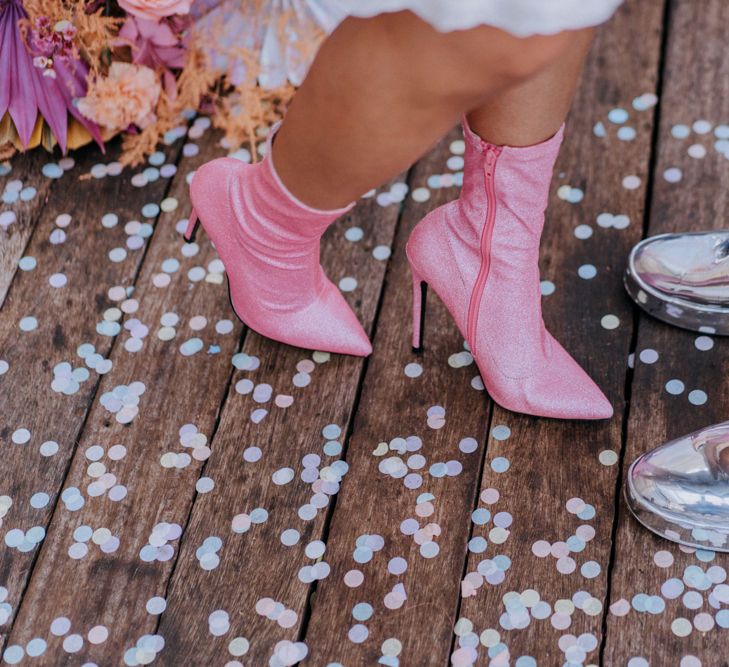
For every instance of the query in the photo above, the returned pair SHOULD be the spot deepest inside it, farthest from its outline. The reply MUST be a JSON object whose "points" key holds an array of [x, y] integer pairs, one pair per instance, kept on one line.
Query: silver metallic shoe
{"points": [[683, 279], [680, 490]]}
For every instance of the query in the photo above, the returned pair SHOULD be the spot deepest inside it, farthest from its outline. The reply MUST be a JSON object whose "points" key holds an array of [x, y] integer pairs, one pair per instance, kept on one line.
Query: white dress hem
{"points": [[522, 18]]}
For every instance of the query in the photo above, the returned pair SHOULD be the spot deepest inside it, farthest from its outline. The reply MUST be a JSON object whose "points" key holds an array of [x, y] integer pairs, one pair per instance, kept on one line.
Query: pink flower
{"points": [[155, 9], [127, 96], [160, 45]]}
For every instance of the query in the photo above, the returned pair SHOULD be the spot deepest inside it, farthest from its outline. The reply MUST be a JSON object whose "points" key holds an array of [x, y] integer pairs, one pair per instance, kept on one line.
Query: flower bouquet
{"points": [[76, 71]]}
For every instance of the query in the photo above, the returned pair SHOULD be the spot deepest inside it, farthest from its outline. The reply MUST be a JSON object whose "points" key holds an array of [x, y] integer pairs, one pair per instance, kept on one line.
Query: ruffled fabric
{"points": [[519, 17]]}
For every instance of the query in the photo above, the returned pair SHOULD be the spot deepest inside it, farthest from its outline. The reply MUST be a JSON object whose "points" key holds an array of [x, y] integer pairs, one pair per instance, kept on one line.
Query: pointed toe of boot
{"points": [[327, 324], [339, 331], [560, 389], [584, 400], [570, 393]]}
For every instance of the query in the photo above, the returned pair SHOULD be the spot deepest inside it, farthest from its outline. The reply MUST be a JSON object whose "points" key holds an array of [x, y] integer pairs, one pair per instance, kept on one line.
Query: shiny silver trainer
{"points": [[683, 279], [680, 490]]}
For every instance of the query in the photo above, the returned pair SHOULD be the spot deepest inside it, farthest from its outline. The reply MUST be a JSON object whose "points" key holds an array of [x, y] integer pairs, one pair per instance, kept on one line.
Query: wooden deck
{"points": [[128, 539]]}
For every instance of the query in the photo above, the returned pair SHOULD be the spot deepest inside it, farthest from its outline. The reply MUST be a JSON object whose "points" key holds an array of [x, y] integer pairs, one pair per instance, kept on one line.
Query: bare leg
{"points": [[382, 91], [532, 111]]}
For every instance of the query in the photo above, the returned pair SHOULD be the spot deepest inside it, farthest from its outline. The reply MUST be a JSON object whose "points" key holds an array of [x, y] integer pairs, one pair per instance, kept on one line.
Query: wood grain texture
{"points": [[284, 435], [180, 389], [253, 592], [695, 88], [372, 502], [67, 317], [552, 461], [14, 238]]}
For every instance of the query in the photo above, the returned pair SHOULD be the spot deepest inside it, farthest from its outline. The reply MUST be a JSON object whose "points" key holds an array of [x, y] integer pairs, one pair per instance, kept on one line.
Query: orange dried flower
{"points": [[127, 96]]}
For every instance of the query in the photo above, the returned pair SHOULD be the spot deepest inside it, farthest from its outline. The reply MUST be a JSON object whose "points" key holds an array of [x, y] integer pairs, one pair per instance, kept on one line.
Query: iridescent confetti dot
{"points": [[98, 634], [60, 626], [13, 654], [617, 116], [704, 343], [20, 436], [28, 323], [49, 448], [610, 322], [421, 194], [156, 605], [701, 126], [73, 643], [626, 133], [238, 646], [620, 607], [468, 445], [570, 194], [168, 204], [204, 485], [590, 569], [675, 387], [348, 284], [673, 175], [354, 234], [36, 647], [547, 287], [381, 252], [57, 280], [27, 263], [353, 578], [587, 272], [672, 588], [358, 633], [663, 558], [697, 397], [500, 464], [413, 370], [637, 661], [501, 432], [150, 210], [681, 627], [7, 218], [648, 356], [117, 255], [608, 457]]}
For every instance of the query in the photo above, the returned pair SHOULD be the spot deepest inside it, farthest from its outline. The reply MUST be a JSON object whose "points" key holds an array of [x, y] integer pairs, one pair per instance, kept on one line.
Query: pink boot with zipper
{"points": [[481, 255], [268, 242]]}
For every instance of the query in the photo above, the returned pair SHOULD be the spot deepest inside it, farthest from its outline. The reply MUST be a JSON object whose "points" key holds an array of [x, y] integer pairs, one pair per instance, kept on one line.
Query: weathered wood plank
{"points": [[549, 461], [185, 379], [696, 88], [256, 565], [33, 412], [19, 217], [395, 406]]}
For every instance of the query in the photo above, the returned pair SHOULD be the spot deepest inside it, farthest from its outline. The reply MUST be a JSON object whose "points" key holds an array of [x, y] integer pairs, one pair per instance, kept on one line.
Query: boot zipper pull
{"points": [[491, 154]]}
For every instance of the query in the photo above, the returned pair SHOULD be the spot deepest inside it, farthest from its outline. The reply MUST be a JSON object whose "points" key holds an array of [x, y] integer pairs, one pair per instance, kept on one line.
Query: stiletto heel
{"points": [[420, 291], [193, 223]]}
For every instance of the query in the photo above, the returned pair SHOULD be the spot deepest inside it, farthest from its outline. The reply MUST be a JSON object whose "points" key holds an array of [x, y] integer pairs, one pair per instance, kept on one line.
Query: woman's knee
{"points": [[462, 66], [493, 57]]}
